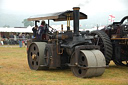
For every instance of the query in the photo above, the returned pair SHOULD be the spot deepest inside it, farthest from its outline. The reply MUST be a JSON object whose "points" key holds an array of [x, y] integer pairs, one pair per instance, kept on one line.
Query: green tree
{"points": [[27, 23]]}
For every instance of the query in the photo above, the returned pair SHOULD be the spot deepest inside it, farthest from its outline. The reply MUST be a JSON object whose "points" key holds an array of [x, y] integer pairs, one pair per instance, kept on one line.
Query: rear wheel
{"points": [[36, 55], [101, 39]]}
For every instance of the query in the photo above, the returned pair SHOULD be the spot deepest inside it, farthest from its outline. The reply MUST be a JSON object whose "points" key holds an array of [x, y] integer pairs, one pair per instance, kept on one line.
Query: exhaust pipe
{"points": [[76, 20]]}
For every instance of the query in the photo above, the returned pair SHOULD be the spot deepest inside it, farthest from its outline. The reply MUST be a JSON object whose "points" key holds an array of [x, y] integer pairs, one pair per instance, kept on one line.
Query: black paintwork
{"points": [[120, 41]]}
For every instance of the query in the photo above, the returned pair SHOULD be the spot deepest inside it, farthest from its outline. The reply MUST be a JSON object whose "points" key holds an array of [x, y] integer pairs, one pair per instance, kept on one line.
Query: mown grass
{"points": [[14, 70]]}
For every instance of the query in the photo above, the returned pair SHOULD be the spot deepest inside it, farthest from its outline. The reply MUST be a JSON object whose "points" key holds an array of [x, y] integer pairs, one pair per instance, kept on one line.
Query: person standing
{"points": [[28, 36], [23, 40], [11, 39], [1, 40], [15, 39], [20, 40]]}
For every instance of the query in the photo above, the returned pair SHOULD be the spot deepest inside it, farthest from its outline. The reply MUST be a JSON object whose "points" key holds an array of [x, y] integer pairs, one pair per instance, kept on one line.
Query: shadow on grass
{"points": [[67, 70], [64, 70]]}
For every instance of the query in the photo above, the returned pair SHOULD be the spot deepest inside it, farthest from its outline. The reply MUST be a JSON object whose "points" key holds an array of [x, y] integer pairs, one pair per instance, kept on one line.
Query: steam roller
{"points": [[91, 63], [66, 49]]}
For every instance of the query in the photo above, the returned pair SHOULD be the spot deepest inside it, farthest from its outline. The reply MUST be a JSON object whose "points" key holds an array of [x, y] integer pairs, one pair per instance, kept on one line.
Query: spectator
{"points": [[15, 39], [4, 39], [8, 40], [1, 40], [28, 36], [20, 40], [11, 39], [4, 36], [23, 41]]}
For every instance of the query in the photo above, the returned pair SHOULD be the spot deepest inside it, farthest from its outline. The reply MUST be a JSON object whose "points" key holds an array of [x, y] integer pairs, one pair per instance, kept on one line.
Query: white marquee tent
{"points": [[28, 29]]}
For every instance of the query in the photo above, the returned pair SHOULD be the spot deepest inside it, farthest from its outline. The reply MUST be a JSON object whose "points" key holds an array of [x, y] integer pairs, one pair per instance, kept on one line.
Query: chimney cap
{"points": [[76, 8]]}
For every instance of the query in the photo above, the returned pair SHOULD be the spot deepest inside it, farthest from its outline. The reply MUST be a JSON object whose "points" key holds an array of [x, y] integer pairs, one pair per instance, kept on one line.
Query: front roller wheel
{"points": [[36, 55], [91, 64]]}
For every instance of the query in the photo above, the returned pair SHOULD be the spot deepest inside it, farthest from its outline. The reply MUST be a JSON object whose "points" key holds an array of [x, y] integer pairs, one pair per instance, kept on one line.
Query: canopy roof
{"points": [[58, 16]]}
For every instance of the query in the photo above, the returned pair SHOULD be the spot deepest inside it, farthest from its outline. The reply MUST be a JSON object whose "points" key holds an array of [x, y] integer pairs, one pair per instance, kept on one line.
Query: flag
{"points": [[111, 18]]}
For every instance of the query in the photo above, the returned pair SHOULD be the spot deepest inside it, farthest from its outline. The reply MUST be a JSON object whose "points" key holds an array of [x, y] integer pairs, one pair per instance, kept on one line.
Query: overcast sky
{"points": [[24, 8]]}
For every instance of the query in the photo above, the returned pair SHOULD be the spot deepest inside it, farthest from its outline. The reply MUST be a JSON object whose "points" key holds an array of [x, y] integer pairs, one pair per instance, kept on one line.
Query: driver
{"points": [[42, 30]]}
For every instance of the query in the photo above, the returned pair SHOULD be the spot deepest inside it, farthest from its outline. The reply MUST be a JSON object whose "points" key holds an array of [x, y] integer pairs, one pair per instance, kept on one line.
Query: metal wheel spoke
{"points": [[98, 41], [36, 63]]}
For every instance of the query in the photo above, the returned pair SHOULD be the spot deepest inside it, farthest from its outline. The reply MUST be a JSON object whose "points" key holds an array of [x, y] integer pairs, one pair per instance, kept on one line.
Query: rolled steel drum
{"points": [[93, 59]]}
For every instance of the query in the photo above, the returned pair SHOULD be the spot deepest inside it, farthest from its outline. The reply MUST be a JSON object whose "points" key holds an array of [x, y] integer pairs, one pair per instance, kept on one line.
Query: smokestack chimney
{"points": [[76, 20]]}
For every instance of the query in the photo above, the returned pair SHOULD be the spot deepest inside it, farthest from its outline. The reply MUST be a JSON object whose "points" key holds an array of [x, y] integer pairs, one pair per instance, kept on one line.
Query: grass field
{"points": [[14, 70]]}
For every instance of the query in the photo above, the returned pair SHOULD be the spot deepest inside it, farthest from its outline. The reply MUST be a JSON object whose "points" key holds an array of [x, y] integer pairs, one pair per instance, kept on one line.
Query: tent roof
{"points": [[28, 30], [58, 16]]}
